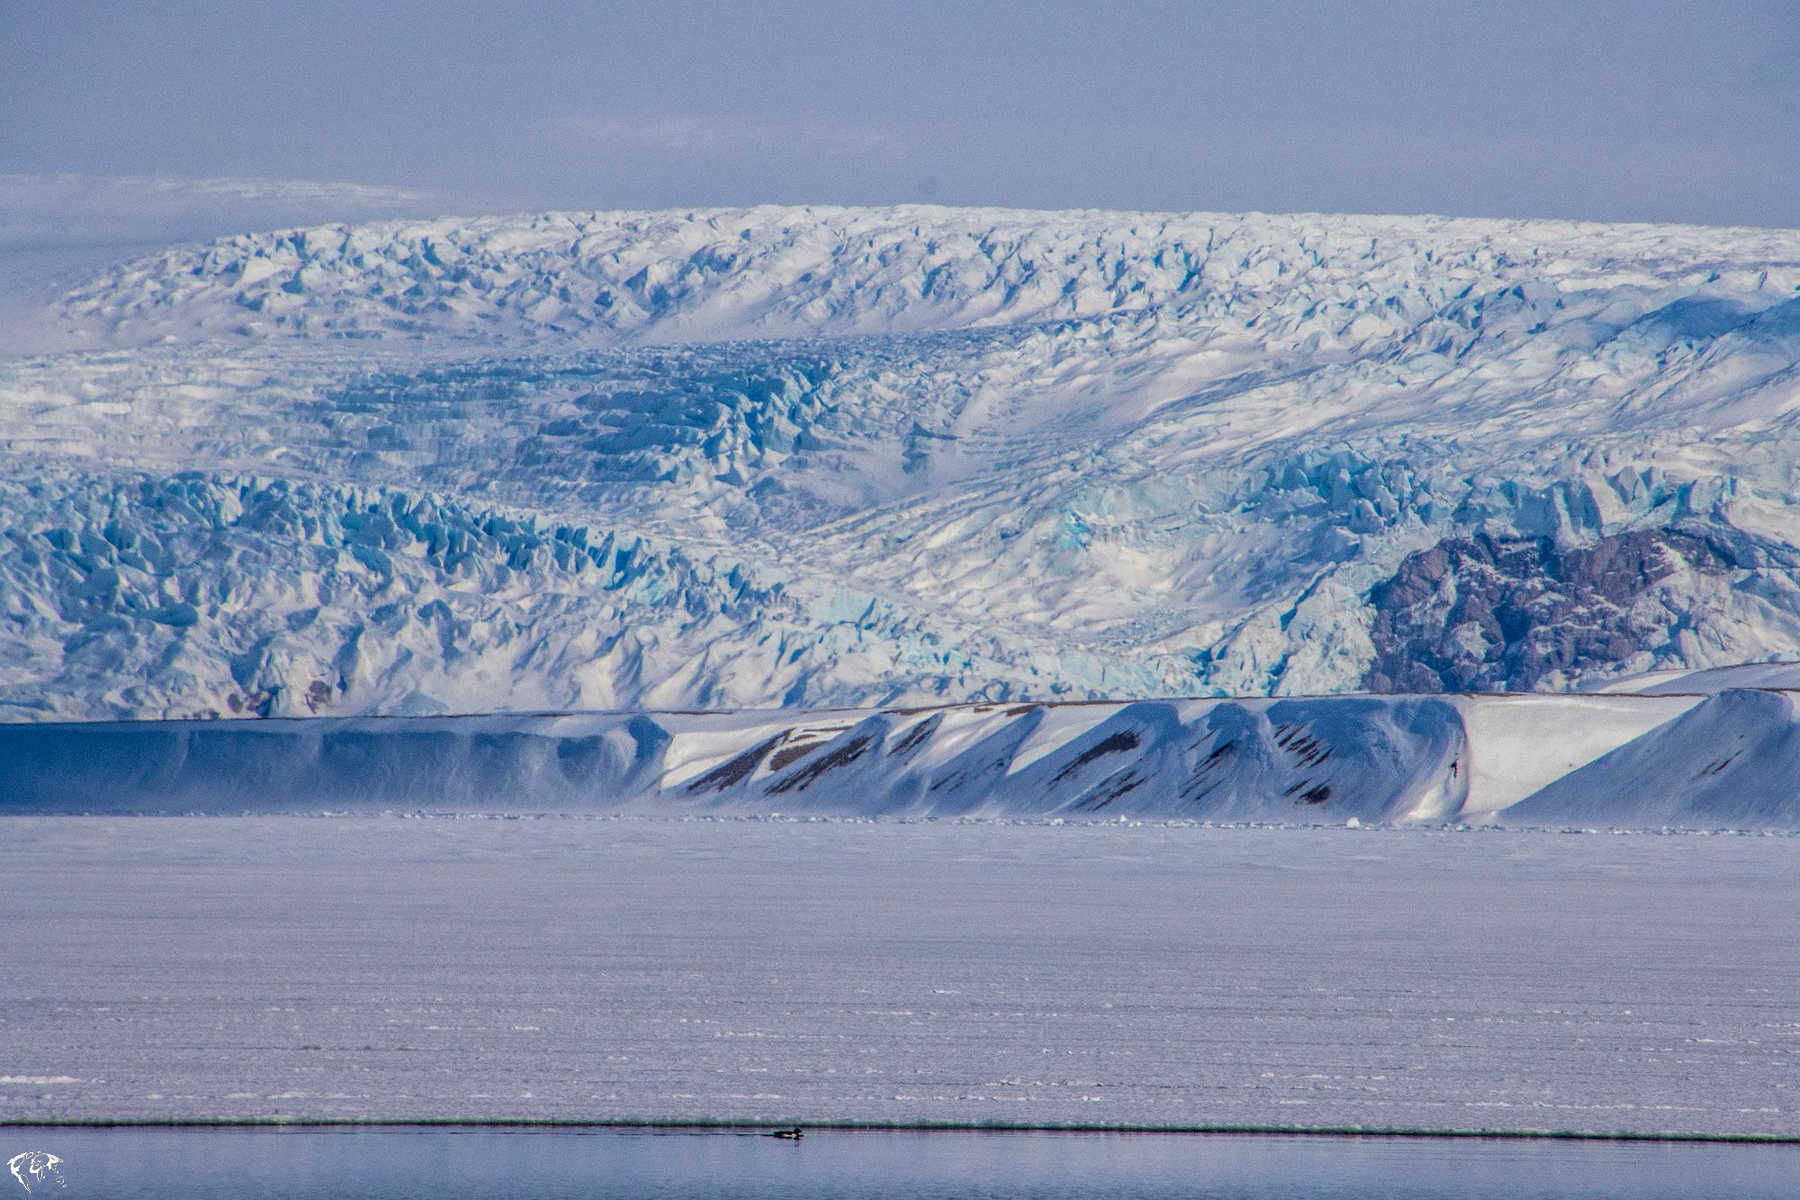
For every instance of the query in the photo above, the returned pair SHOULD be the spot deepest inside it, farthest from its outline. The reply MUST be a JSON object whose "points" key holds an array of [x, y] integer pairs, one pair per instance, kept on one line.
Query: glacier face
{"points": [[786, 456]]}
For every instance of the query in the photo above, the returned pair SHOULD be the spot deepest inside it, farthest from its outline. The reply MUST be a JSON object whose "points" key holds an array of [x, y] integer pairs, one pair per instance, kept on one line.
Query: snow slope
{"points": [[1730, 761], [1770, 676], [1373, 759], [1520, 744], [1727, 761], [899, 456]]}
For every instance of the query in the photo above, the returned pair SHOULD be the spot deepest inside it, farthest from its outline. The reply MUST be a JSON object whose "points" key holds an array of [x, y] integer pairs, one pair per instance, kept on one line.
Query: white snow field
{"points": [[865, 457], [939, 971]]}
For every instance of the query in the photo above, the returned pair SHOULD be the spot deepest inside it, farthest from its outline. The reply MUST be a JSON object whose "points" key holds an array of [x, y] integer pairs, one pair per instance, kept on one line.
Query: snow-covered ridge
{"points": [[947, 455], [1730, 760], [1612, 761], [786, 272]]}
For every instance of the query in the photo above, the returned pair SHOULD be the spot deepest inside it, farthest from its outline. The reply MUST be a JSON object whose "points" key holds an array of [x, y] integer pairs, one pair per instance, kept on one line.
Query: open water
{"points": [[450, 1163]]}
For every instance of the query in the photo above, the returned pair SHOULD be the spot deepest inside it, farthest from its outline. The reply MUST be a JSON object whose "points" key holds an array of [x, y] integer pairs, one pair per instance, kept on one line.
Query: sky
{"points": [[1601, 110]]}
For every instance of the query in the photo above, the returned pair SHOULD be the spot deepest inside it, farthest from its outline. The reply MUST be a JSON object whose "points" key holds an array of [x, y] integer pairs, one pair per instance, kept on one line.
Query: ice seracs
{"points": [[866, 457]]}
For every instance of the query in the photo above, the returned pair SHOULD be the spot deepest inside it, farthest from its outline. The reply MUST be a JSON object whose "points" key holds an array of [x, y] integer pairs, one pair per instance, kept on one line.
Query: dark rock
{"points": [[1502, 614]]}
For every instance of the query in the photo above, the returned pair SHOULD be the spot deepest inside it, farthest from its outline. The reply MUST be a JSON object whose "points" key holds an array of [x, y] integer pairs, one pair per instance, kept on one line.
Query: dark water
{"points": [[404, 1164]]}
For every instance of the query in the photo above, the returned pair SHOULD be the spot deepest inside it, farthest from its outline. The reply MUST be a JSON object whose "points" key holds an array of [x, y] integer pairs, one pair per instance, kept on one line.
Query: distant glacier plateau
{"points": [[873, 458]]}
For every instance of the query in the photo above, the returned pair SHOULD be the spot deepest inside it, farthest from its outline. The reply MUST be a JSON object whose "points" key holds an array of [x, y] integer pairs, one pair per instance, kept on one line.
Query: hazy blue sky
{"points": [[1602, 110]]}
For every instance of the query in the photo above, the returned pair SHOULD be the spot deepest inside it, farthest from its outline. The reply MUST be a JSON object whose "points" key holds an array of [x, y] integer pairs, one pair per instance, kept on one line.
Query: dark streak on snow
{"points": [[1302, 745], [1713, 768], [1125, 739], [735, 771], [848, 753], [788, 755], [915, 737], [1108, 791]]}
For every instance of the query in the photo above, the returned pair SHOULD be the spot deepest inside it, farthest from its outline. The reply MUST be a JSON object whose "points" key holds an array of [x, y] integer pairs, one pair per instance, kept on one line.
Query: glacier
{"points": [[814, 457]]}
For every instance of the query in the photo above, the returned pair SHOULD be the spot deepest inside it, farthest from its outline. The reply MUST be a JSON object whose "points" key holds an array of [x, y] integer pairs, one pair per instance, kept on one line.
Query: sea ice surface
{"points": [[1120, 974]]}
